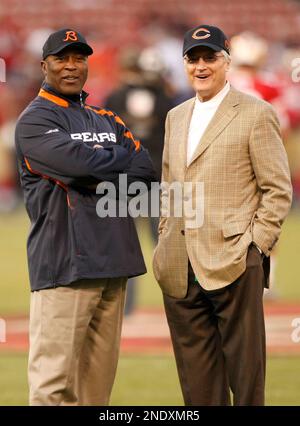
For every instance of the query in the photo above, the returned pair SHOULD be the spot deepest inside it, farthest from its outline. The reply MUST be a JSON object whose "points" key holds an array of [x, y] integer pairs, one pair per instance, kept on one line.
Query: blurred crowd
{"points": [[141, 80]]}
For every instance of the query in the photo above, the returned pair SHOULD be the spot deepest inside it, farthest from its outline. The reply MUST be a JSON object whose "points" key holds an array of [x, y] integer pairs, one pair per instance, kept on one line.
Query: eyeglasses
{"points": [[208, 58]]}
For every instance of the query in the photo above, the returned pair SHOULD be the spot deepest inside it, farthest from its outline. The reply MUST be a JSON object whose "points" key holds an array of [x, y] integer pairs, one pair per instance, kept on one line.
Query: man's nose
{"points": [[201, 64], [70, 64]]}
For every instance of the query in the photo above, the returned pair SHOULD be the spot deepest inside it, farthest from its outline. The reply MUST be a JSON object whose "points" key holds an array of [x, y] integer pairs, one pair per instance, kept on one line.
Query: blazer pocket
{"points": [[235, 228]]}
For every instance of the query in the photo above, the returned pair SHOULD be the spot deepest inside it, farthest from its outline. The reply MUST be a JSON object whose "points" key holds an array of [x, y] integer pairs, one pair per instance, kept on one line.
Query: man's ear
{"points": [[44, 67], [228, 66]]}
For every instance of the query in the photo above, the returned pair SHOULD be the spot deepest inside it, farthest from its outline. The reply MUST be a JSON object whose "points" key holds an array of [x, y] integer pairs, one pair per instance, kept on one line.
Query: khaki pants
{"points": [[74, 342]]}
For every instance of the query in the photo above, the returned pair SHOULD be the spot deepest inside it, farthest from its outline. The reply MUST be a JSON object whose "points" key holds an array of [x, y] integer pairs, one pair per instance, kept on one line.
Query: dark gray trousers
{"points": [[218, 338]]}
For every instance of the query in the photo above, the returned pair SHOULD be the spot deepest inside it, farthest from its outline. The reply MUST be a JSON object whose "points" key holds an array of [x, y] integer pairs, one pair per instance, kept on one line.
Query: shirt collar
{"points": [[71, 98]]}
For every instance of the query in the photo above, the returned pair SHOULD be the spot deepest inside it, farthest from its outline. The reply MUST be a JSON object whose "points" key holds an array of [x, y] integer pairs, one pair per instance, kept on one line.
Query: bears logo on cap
{"points": [[71, 36], [201, 37]]}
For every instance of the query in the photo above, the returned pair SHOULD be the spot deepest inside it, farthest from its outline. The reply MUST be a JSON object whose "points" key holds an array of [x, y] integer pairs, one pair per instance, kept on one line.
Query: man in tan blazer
{"points": [[224, 149]]}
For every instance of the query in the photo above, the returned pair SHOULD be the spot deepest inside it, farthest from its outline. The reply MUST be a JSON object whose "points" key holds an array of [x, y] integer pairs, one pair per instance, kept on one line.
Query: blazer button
{"points": [[182, 232]]}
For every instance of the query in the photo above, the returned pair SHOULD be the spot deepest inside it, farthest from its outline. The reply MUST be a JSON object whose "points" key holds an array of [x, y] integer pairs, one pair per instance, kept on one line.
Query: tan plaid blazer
{"points": [[242, 164]]}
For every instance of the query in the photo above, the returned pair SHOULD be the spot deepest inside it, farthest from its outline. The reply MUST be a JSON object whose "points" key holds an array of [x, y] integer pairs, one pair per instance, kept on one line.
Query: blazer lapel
{"points": [[182, 125], [223, 116]]}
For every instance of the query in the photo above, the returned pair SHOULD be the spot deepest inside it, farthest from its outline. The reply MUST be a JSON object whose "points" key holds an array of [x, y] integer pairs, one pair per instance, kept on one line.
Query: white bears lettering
{"points": [[94, 137]]}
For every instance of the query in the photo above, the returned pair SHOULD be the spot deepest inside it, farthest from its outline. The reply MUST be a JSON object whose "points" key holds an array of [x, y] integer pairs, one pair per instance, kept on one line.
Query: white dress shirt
{"points": [[202, 114]]}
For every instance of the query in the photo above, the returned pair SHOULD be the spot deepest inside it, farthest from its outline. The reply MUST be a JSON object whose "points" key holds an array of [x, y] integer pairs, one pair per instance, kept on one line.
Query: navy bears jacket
{"points": [[56, 142]]}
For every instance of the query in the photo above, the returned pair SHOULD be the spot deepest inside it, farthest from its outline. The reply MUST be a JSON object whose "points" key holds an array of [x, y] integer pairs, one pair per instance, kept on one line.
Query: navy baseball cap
{"points": [[61, 39], [205, 35]]}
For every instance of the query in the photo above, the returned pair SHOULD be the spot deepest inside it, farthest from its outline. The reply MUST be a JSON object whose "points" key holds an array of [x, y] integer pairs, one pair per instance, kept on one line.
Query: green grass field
{"points": [[152, 380], [141, 379]]}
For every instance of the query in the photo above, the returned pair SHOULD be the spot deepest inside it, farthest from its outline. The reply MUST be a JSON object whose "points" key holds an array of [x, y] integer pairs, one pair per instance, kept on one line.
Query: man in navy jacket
{"points": [[78, 262]]}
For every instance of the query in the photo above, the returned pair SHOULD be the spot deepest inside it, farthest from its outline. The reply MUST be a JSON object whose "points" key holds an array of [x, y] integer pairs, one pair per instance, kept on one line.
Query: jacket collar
{"points": [[225, 113], [64, 101], [223, 116]]}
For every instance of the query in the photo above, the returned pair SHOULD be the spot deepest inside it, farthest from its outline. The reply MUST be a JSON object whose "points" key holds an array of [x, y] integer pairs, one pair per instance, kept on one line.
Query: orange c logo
{"points": [[201, 37], [71, 35]]}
